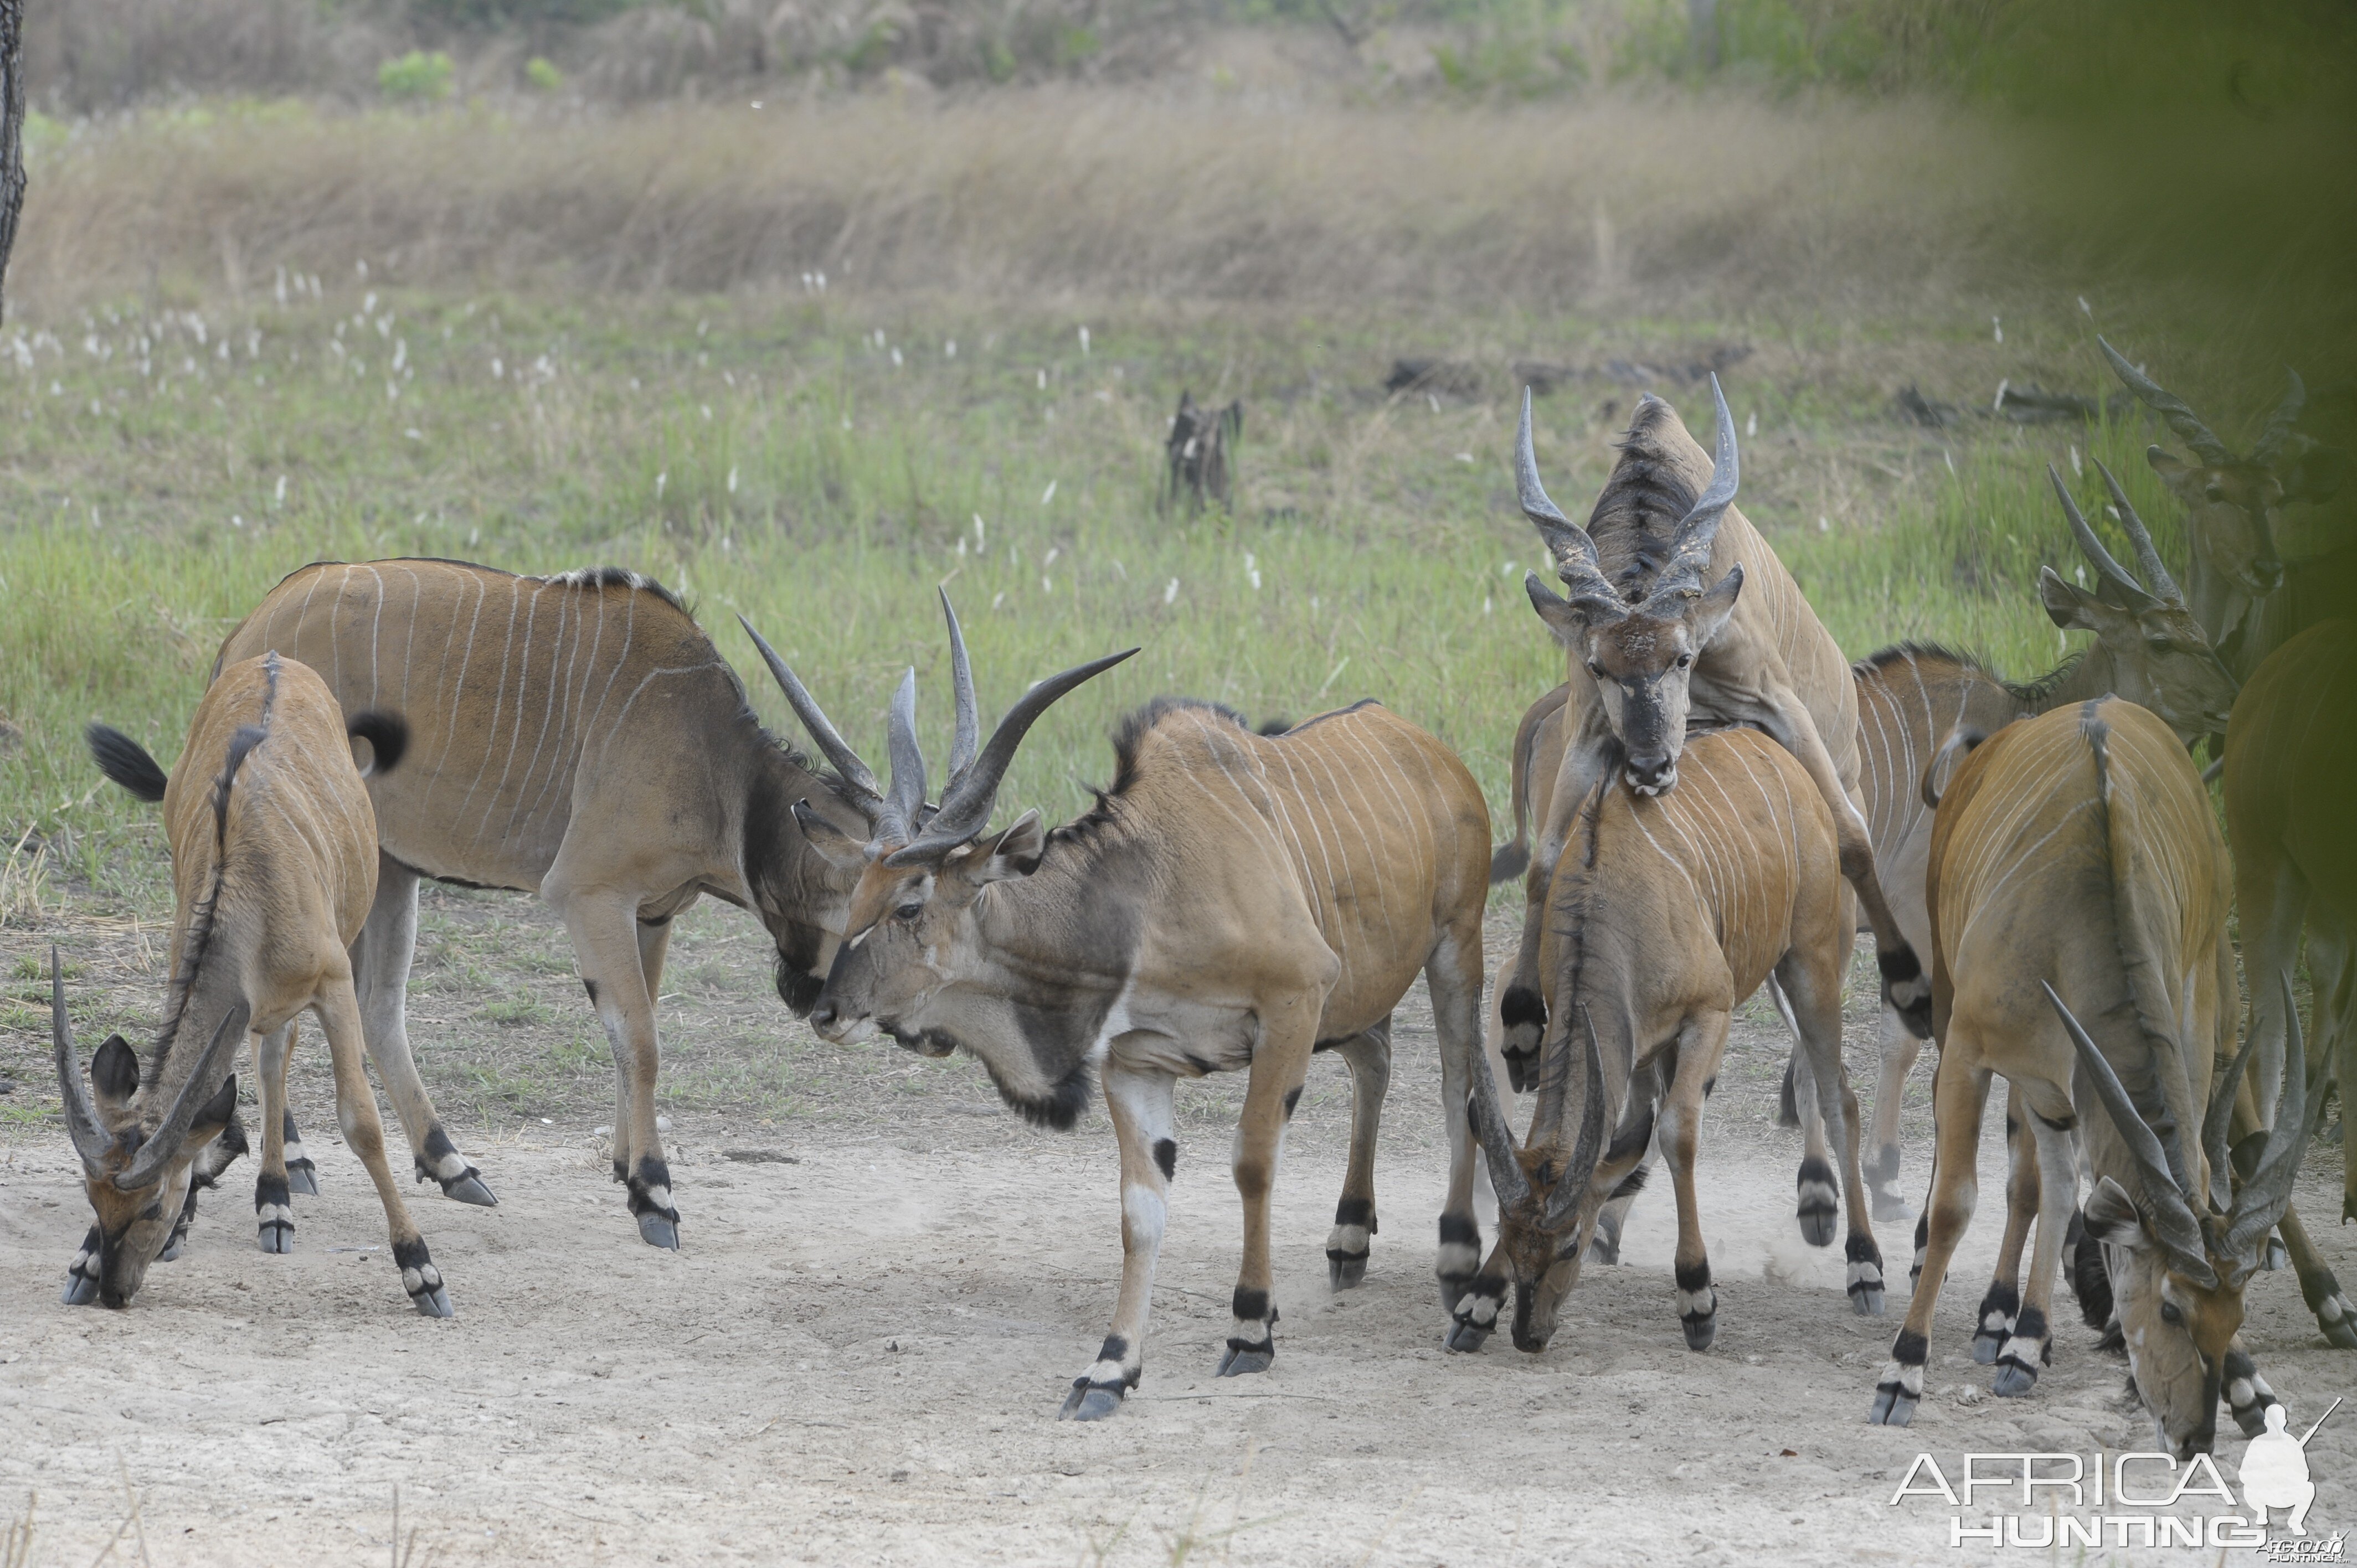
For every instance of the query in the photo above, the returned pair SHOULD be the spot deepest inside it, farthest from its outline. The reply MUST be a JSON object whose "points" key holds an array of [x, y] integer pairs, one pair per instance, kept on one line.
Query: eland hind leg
{"points": [[1900, 1049], [1369, 1056], [2002, 1302], [1959, 1097], [381, 959], [1808, 990], [2029, 1344], [1452, 974]]}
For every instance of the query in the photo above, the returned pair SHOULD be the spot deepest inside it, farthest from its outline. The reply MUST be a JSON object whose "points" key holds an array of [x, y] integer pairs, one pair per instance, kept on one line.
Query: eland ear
{"points": [[834, 846], [2174, 471], [1716, 605], [114, 1074], [1015, 852], [2068, 606], [2111, 1217], [2315, 476], [1565, 622], [214, 1116]]}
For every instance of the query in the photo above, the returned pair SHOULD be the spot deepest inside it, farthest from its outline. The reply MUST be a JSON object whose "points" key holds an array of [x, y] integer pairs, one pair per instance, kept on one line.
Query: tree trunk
{"points": [[12, 128], [1702, 27]]}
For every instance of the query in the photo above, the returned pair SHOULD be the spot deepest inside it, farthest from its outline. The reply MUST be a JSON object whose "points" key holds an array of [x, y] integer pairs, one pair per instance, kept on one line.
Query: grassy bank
{"points": [[819, 463]]}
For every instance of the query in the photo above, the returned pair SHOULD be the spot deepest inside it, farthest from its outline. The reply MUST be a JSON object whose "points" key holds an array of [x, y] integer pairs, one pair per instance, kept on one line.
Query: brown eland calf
{"points": [[1665, 913], [2077, 871], [1681, 615], [273, 868], [1235, 901], [579, 738], [2291, 754]]}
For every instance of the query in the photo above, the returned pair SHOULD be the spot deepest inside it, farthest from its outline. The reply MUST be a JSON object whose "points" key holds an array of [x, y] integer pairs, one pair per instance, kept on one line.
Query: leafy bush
{"points": [[417, 76], [540, 74]]}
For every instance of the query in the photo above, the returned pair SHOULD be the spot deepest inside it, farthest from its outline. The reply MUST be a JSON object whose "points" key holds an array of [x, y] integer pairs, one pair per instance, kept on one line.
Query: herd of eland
{"points": [[1714, 802]]}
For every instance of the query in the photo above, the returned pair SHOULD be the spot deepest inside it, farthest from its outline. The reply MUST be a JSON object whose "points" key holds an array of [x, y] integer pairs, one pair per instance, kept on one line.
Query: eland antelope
{"points": [[1680, 613], [2147, 648], [2236, 576], [2077, 873], [1665, 913], [2290, 755], [273, 868], [1234, 901], [576, 737]]}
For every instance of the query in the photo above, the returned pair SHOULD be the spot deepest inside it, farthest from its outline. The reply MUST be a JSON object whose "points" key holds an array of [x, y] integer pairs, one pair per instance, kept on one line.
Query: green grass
{"points": [[772, 456]]}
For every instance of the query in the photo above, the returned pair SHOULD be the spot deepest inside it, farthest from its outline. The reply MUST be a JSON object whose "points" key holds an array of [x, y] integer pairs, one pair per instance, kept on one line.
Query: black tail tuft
{"points": [[1509, 861], [126, 761], [1787, 1108], [387, 735]]}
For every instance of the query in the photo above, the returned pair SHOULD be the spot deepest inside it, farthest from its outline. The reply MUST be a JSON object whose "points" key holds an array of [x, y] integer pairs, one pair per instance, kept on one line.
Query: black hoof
{"points": [[469, 1188], [1893, 1406], [421, 1280], [1345, 1271], [1243, 1360], [1817, 1226], [80, 1291], [303, 1177], [171, 1252], [1090, 1401], [1700, 1331], [2341, 1333], [2013, 1379], [1866, 1300], [276, 1235], [658, 1230], [1987, 1343], [1464, 1338]]}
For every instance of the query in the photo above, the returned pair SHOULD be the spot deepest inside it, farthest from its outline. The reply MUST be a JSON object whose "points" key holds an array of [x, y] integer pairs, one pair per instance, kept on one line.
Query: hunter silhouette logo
{"points": [[2274, 1471]]}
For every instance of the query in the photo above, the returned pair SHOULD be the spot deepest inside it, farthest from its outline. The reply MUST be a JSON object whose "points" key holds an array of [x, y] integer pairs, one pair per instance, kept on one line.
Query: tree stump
{"points": [[1200, 453]]}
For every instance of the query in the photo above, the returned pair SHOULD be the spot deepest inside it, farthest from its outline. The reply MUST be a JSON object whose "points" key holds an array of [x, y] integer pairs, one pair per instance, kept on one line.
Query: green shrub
{"points": [[417, 76], [540, 74]]}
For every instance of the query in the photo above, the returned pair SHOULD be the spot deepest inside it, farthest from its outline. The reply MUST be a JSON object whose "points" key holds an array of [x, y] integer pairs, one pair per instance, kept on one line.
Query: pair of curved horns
{"points": [[1574, 551], [2168, 1205], [896, 813], [1572, 1185], [163, 1145], [2158, 587], [2263, 1198], [2197, 435], [1497, 1140], [900, 817]]}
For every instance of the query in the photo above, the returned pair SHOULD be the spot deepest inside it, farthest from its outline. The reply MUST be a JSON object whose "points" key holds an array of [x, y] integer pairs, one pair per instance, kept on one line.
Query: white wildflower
{"points": [[1171, 592]]}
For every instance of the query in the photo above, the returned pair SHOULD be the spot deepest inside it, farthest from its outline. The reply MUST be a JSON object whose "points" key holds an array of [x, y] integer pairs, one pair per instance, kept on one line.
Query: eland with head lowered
{"points": [[1234, 901], [2078, 890], [273, 868]]}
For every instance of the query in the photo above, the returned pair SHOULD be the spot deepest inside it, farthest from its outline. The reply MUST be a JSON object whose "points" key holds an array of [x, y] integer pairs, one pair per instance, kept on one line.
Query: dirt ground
{"points": [[889, 1282]]}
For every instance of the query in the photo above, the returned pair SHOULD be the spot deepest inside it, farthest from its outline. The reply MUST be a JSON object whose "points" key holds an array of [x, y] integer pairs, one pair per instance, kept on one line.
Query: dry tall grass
{"points": [[1654, 204]]}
